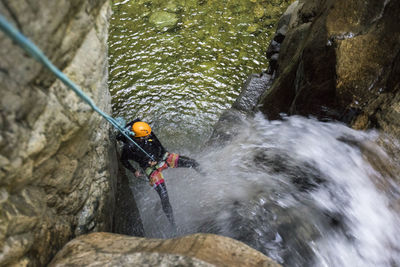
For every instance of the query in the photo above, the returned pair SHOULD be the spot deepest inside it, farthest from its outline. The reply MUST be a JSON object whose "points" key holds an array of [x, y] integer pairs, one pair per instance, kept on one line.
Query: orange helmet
{"points": [[141, 129]]}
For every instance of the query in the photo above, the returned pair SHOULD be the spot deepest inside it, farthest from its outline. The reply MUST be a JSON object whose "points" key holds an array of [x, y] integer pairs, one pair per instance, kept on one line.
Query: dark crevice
{"points": [[127, 218], [393, 80], [5, 71]]}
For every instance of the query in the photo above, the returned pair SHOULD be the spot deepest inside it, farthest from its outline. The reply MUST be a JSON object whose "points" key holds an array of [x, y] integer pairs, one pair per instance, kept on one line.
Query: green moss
{"points": [[209, 51], [259, 11]]}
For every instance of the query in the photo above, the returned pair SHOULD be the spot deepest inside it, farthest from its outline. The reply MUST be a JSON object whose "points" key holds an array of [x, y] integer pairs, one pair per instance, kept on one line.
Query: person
{"points": [[153, 158]]}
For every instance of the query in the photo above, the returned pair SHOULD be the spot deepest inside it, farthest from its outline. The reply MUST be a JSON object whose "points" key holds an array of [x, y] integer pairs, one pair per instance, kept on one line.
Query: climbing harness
{"points": [[154, 173], [37, 54]]}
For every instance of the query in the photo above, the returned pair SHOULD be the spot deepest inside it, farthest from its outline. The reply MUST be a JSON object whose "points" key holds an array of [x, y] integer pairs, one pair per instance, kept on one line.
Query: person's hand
{"points": [[137, 174], [152, 163]]}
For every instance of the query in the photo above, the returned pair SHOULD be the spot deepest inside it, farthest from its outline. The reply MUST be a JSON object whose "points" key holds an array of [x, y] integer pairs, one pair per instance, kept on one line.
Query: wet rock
{"points": [[193, 250], [226, 127], [245, 104], [275, 45], [337, 62], [163, 21], [254, 86], [56, 175]]}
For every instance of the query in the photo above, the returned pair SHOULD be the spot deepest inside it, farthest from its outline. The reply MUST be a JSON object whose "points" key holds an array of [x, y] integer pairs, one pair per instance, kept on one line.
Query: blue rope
{"points": [[36, 53]]}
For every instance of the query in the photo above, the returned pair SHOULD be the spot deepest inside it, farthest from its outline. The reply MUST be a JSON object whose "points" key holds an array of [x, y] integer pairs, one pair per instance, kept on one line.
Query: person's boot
{"points": [[190, 163]]}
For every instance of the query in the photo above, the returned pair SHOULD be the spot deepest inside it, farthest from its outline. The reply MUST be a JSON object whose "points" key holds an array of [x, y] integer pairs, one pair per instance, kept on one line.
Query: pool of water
{"points": [[178, 64]]}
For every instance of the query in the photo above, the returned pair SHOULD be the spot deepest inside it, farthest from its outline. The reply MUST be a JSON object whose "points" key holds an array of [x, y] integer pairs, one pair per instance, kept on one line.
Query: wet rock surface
{"points": [[193, 250], [244, 106], [55, 172], [163, 21], [338, 60], [331, 59]]}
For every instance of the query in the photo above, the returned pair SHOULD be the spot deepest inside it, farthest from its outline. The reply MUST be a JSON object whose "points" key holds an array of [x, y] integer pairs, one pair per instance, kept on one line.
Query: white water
{"points": [[255, 192]]}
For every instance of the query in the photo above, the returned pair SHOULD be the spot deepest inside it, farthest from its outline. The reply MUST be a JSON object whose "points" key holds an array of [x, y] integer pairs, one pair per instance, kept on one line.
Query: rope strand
{"points": [[37, 54]]}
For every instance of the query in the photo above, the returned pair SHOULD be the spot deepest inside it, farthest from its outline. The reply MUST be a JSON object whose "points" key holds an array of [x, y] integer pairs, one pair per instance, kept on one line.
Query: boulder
{"points": [[228, 124], [105, 249], [163, 20], [339, 60]]}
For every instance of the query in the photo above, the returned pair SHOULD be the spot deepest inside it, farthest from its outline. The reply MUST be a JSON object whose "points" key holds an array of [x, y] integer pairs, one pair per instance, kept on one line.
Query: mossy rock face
{"points": [[339, 60], [163, 20], [50, 140]]}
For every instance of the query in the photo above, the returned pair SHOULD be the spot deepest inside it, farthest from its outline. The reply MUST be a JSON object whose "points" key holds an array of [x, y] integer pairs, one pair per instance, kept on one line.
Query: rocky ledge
{"points": [[104, 249]]}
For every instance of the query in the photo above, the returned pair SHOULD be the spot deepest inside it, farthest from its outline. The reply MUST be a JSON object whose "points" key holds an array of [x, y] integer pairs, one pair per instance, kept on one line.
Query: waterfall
{"points": [[304, 192]]}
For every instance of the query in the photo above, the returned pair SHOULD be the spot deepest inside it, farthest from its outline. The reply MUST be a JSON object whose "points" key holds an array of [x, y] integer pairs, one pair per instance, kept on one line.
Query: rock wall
{"points": [[55, 173], [338, 60], [228, 124]]}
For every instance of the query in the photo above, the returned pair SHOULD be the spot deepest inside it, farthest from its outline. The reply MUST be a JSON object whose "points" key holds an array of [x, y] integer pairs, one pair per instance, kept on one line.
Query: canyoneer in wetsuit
{"points": [[153, 167]]}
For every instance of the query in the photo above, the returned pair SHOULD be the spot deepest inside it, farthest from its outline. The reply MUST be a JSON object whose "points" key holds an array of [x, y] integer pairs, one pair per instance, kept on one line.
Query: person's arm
{"points": [[121, 137], [125, 160]]}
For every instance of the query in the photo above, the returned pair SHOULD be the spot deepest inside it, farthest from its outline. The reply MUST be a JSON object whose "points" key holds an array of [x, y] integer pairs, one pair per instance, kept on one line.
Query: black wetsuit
{"points": [[130, 151], [153, 147]]}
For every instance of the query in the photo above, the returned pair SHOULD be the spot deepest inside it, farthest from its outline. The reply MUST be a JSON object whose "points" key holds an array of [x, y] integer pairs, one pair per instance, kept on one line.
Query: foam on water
{"points": [[301, 191]]}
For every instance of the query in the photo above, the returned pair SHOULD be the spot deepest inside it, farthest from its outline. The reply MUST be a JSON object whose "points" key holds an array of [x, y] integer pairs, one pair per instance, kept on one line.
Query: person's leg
{"points": [[187, 162], [166, 206], [177, 161]]}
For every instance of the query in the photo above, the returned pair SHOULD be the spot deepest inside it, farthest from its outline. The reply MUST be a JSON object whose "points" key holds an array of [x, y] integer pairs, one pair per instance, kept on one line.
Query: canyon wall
{"points": [[55, 169], [337, 60]]}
